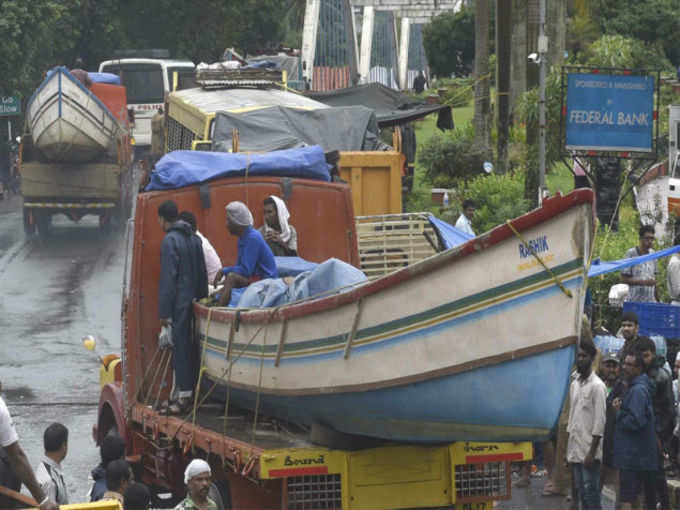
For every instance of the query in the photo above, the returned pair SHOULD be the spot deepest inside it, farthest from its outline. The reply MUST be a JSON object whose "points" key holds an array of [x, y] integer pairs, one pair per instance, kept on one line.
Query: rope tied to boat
{"points": [[554, 277]]}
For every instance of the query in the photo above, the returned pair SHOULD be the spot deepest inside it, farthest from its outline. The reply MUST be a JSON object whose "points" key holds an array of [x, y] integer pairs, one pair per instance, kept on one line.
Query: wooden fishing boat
{"points": [[473, 343], [68, 122]]}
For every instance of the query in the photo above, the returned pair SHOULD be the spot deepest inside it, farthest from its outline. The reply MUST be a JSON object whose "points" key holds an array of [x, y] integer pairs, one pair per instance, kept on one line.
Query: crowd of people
{"points": [[621, 426], [112, 479]]}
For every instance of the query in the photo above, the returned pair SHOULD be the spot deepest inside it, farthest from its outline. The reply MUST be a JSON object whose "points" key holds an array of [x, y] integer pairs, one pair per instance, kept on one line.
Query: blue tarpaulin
{"points": [[332, 275], [110, 78], [178, 169], [450, 235], [599, 267]]}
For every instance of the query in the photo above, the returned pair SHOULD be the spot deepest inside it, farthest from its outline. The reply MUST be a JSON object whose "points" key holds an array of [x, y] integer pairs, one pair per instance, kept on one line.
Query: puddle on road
{"points": [[17, 393]]}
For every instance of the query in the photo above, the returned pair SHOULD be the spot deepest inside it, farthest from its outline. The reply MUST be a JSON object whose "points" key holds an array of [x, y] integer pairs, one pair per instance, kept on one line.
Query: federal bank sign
{"points": [[609, 112]]}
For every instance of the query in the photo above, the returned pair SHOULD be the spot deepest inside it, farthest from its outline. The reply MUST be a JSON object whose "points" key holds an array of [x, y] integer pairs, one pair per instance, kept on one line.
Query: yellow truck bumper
{"points": [[468, 475]]}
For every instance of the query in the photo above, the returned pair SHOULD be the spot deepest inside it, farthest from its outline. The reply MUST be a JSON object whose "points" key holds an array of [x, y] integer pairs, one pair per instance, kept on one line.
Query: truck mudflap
{"points": [[469, 475]]}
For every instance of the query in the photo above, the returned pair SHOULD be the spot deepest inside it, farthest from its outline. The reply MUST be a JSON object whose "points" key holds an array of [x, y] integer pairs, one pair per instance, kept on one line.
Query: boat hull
{"points": [[478, 405], [443, 350], [68, 122]]}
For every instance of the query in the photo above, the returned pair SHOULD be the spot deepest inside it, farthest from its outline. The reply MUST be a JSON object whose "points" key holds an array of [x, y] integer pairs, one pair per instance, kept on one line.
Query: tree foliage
{"points": [[40, 34], [449, 42], [652, 22]]}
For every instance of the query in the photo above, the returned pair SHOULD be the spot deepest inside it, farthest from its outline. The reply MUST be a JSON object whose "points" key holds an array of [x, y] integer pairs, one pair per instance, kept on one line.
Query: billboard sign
{"points": [[10, 105], [609, 112]]}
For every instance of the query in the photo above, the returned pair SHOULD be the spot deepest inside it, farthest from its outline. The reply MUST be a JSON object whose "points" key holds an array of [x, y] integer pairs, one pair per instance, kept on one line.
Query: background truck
{"points": [[102, 187]]}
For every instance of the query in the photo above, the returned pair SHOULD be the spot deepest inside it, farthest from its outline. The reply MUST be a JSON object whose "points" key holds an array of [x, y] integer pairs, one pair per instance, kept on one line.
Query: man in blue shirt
{"points": [[255, 259]]}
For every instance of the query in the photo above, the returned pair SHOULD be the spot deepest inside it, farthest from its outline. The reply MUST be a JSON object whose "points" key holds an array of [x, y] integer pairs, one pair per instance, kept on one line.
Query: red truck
{"points": [[257, 461]]}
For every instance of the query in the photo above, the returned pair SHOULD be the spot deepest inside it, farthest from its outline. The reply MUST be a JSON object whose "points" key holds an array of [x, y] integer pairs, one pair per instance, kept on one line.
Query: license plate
{"points": [[487, 505]]}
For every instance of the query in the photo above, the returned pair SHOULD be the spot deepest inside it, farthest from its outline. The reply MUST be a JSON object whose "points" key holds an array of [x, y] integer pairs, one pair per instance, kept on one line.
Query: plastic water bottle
{"points": [[445, 202]]}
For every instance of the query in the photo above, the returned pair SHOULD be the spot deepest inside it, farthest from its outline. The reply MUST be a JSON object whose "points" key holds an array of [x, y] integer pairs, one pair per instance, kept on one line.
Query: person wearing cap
{"points": [[255, 260], [198, 479], [610, 368]]}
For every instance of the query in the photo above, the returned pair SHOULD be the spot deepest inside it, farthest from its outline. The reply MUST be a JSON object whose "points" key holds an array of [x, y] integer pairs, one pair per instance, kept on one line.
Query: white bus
{"points": [[147, 81]]}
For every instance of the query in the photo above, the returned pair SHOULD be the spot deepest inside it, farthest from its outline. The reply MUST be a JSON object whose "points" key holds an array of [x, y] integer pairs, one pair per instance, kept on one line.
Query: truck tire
{"points": [[43, 221], [29, 225], [105, 223]]}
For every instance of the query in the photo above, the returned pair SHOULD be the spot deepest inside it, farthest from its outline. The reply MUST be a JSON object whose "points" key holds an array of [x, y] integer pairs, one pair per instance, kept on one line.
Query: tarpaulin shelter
{"points": [[352, 128], [391, 107]]}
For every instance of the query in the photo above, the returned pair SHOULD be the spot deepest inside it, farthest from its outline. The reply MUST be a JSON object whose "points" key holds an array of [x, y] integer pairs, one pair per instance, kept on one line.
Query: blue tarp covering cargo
{"points": [[183, 168], [449, 235], [110, 78]]}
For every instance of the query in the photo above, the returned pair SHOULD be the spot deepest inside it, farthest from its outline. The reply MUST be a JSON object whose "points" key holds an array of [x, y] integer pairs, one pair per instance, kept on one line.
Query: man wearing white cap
{"points": [[197, 477], [255, 259]]}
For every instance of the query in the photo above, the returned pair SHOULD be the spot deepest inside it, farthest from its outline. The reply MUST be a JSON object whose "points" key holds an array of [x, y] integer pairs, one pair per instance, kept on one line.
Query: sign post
{"points": [[610, 113], [9, 107]]}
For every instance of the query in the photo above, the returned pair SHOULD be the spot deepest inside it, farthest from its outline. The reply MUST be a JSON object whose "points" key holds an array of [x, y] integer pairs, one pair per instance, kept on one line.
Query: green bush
{"points": [[452, 158], [497, 198], [459, 92]]}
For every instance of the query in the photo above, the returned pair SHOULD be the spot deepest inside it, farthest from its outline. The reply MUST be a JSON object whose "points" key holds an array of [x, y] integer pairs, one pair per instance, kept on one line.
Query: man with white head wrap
{"points": [[197, 477], [255, 259], [279, 234]]}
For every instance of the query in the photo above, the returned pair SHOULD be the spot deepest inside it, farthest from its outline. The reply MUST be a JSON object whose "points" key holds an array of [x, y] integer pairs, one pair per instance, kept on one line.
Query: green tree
{"points": [[651, 21], [449, 42]]}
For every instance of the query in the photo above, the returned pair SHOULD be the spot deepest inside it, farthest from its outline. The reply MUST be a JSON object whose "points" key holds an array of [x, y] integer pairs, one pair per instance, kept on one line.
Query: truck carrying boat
{"points": [[405, 369], [69, 122], [75, 157]]}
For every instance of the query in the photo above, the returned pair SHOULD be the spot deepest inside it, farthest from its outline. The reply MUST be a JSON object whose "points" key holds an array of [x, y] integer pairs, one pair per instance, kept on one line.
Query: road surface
{"points": [[53, 293]]}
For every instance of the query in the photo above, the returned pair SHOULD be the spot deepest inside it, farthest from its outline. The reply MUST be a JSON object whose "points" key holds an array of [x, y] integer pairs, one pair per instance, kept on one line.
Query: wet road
{"points": [[52, 293]]}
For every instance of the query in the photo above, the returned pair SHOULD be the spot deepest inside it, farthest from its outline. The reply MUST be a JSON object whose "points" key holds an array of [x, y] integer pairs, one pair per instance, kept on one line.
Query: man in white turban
{"points": [[198, 478], [255, 259], [280, 235]]}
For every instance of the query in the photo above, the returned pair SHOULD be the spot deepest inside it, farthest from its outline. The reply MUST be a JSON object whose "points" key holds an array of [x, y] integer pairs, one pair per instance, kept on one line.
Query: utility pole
{"points": [[542, 56]]}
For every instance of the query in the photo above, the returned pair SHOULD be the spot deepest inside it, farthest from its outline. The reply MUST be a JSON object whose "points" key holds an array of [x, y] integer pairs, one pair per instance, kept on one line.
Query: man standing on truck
{"points": [[183, 278], [255, 260], [197, 478]]}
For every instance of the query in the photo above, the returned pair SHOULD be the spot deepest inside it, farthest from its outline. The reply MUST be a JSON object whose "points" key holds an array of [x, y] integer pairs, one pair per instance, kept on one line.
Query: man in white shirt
{"points": [[464, 221], [213, 264], [49, 472], [641, 278], [587, 418], [16, 458]]}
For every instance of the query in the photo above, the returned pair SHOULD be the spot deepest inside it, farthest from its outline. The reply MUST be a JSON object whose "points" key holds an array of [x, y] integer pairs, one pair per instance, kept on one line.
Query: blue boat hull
{"points": [[515, 400]]}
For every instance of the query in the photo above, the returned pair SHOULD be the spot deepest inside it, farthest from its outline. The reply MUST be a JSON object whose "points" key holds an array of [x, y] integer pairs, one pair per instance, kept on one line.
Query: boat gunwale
{"points": [[552, 207]]}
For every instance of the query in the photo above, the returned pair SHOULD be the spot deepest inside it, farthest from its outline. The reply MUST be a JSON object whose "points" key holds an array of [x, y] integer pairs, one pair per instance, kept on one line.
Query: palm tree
{"points": [[482, 101]]}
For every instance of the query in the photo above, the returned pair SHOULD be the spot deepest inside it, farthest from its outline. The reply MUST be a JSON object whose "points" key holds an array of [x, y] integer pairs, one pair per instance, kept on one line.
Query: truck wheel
{"points": [[29, 223], [105, 223], [43, 221], [219, 492]]}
